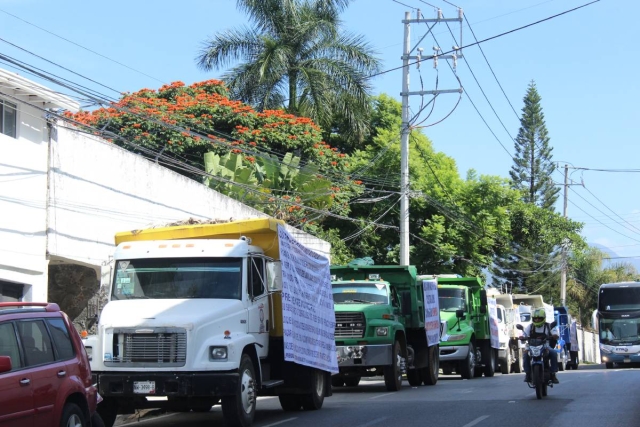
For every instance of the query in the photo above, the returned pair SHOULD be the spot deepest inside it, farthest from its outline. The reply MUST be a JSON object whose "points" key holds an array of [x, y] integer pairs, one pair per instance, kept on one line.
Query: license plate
{"points": [[144, 387]]}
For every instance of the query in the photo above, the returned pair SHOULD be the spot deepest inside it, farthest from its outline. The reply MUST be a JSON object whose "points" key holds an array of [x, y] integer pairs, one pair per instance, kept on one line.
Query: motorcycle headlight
{"points": [[218, 353]]}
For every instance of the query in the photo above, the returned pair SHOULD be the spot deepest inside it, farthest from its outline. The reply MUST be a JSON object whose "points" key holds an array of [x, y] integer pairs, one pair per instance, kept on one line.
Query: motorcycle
{"points": [[538, 350]]}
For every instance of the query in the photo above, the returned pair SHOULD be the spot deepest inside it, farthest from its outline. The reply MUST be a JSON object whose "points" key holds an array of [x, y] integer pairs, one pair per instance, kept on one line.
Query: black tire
{"points": [[544, 388], [609, 365], [561, 362], [108, 411], [414, 377], [337, 380], [290, 402], [352, 381], [489, 357], [430, 373], [504, 366], [468, 366], [393, 373], [314, 400], [447, 371], [240, 409], [536, 377], [72, 416], [96, 420]]}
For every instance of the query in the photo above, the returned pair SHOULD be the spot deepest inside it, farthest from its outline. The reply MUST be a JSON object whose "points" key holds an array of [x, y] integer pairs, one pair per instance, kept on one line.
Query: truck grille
{"points": [[158, 347], [350, 325]]}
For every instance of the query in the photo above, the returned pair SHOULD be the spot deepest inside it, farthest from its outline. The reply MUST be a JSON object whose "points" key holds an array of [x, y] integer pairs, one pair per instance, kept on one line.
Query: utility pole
{"points": [[563, 273], [406, 119]]}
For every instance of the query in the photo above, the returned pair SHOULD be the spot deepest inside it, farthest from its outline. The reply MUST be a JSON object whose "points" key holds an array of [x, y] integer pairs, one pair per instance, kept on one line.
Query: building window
{"points": [[8, 118], [10, 292]]}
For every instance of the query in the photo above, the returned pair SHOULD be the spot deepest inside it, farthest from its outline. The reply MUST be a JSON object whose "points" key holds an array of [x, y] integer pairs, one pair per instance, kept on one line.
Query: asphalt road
{"points": [[591, 396]]}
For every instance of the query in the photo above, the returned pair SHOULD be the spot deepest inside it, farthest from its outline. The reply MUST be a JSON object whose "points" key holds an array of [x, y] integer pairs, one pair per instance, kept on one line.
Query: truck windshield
{"points": [[617, 331], [451, 299], [360, 293], [177, 278]]}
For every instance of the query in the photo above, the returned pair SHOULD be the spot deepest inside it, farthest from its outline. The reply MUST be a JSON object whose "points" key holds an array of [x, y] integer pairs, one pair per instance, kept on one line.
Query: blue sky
{"points": [[583, 63]]}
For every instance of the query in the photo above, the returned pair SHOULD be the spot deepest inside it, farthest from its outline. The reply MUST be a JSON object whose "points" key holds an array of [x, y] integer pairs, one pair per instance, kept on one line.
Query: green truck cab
{"points": [[465, 345], [380, 326]]}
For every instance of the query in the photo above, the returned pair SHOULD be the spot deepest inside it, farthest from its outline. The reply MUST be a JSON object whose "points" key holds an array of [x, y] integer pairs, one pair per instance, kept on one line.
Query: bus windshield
{"points": [[177, 278], [619, 331], [623, 298]]}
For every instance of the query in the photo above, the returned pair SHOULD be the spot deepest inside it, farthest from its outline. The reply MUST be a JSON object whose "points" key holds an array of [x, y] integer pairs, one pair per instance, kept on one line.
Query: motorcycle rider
{"points": [[540, 329]]}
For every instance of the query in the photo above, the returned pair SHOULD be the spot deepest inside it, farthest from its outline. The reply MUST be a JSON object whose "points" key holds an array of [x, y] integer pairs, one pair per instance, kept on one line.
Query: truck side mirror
{"points": [[483, 298], [405, 303], [274, 276], [460, 314]]}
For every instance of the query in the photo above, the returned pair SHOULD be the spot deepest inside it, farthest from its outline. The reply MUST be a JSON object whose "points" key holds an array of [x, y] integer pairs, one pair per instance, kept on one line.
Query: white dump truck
{"points": [[215, 313]]}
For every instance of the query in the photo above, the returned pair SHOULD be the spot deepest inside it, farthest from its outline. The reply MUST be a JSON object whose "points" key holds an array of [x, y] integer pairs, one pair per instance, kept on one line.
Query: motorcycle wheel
{"points": [[536, 376]]}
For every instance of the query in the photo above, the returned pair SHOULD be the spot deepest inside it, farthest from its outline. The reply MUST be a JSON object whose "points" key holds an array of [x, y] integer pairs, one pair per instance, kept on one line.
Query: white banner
{"points": [[431, 311], [493, 322], [309, 320]]}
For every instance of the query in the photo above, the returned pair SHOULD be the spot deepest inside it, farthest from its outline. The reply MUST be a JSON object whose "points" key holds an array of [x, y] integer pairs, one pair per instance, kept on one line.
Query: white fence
{"points": [[588, 341]]}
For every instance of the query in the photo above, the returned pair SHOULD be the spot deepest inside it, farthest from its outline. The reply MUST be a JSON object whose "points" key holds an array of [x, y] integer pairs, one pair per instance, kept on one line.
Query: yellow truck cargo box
{"points": [[262, 231]]}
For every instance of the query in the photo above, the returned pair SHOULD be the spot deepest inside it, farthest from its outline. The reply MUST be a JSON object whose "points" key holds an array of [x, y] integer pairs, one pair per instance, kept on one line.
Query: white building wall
{"points": [[98, 189], [23, 195]]}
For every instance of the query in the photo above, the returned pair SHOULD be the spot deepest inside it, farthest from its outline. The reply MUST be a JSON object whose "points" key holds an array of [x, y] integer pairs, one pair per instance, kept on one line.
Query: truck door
{"points": [[258, 305]]}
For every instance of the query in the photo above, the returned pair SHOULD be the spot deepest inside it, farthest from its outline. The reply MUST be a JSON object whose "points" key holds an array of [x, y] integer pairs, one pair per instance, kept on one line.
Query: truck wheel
{"points": [[337, 380], [96, 420], [314, 400], [504, 365], [468, 366], [393, 373], [108, 411], [489, 360], [414, 377], [430, 373], [518, 366], [563, 358], [290, 402], [239, 410], [352, 381]]}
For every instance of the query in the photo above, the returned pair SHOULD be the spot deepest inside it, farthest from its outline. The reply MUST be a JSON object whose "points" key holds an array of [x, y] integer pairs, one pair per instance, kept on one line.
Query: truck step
{"points": [[271, 383]]}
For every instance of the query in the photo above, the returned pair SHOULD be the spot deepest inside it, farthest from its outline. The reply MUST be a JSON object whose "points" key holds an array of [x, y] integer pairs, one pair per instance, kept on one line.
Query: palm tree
{"points": [[295, 56]]}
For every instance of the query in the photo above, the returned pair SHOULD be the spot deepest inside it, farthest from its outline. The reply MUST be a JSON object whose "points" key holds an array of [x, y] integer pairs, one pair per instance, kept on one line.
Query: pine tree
{"points": [[532, 168]]}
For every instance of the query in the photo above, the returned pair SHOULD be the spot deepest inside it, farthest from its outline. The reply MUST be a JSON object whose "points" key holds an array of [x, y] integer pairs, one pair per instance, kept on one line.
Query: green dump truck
{"points": [[380, 326], [465, 346]]}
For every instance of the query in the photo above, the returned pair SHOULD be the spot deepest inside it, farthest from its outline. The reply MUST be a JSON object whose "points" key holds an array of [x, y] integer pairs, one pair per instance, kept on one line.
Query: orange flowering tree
{"points": [[186, 122]]}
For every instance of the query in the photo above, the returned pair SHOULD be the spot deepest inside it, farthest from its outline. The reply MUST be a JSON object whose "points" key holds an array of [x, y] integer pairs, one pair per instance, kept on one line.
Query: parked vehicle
{"points": [[465, 346], [45, 377], [380, 326], [510, 352], [198, 313], [539, 352], [567, 356]]}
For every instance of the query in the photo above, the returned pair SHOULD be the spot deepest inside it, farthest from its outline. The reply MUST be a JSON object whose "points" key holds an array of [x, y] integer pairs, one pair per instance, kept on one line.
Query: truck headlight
{"points": [[218, 353], [382, 331], [457, 337], [89, 351]]}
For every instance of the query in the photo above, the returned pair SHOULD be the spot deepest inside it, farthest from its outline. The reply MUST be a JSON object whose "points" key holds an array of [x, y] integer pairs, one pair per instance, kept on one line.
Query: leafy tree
{"points": [[296, 54], [179, 125], [532, 168]]}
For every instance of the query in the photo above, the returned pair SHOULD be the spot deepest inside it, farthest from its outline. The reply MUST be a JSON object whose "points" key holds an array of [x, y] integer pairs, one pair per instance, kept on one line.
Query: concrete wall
{"points": [[23, 210]]}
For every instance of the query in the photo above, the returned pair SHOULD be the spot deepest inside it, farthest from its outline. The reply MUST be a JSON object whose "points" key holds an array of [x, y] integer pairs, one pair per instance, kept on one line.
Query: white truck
{"points": [[198, 314], [510, 351]]}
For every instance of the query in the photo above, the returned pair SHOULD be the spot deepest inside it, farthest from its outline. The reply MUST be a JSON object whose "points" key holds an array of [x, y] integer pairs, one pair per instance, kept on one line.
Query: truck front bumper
{"points": [[364, 355], [453, 352], [176, 384]]}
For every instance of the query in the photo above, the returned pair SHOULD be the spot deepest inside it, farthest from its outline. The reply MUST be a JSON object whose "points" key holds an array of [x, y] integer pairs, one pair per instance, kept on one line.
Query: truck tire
{"points": [[504, 365], [467, 366], [489, 359], [518, 366], [430, 373], [352, 381], [337, 380], [393, 373], [290, 402], [240, 409], [314, 400], [108, 411], [414, 377]]}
